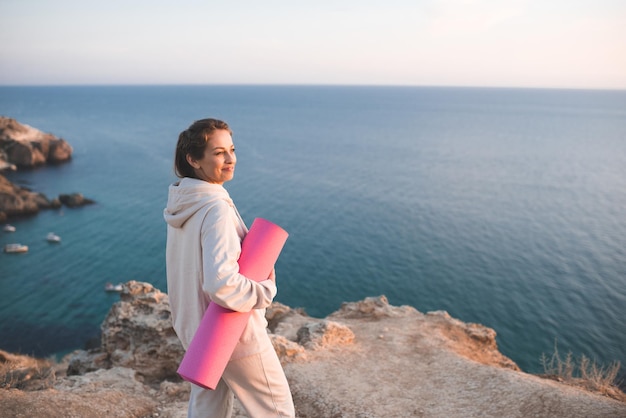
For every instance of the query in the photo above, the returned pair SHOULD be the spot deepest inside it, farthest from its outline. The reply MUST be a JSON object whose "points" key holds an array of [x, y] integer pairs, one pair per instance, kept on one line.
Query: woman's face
{"points": [[218, 162]]}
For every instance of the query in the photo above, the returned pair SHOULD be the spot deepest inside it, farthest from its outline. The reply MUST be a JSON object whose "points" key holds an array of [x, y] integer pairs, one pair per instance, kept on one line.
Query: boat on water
{"points": [[110, 287], [15, 248], [52, 237], [8, 228]]}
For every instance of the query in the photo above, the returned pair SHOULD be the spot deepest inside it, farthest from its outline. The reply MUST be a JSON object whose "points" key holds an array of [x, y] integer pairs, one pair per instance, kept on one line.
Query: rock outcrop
{"points": [[368, 359], [74, 200], [15, 200], [24, 146], [137, 334], [21, 201]]}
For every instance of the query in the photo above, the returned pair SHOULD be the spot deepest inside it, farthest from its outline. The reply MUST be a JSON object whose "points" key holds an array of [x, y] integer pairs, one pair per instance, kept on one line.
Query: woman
{"points": [[204, 235]]}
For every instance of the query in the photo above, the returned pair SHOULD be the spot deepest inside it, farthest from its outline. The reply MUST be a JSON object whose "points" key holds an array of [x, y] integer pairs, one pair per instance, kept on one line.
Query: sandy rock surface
{"points": [[409, 364], [369, 359]]}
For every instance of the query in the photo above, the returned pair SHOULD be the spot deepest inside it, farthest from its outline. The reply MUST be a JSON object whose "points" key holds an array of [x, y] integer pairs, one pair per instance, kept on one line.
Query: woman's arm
{"points": [[221, 247]]}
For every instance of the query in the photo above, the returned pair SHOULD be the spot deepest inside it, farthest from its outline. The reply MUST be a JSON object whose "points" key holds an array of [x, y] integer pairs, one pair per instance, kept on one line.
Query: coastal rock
{"points": [[74, 200], [373, 308], [25, 146], [111, 393], [137, 333], [19, 201], [368, 359], [60, 151], [403, 363], [285, 321], [324, 334], [287, 350], [16, 200]]}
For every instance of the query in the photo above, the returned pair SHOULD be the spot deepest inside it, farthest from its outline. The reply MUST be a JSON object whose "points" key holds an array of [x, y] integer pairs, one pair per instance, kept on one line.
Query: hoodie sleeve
{"points": [[221, 247]]}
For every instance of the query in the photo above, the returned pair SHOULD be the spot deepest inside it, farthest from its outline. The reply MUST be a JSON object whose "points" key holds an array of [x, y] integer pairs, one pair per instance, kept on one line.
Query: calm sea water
{"points": [[505, 207]]}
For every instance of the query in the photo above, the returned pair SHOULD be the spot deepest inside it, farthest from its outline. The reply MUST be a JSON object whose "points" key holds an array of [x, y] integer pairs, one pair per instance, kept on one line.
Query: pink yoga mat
{"points": [[220, 329]]}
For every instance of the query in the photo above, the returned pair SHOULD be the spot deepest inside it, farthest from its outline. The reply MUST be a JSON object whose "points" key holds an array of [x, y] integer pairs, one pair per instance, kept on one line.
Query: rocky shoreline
{"points": [[25, 147], [368, 359]]}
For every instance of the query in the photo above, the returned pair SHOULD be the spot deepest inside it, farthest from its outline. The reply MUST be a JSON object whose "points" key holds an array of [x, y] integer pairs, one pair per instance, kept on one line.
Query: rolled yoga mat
{"points": [[220, 328]]}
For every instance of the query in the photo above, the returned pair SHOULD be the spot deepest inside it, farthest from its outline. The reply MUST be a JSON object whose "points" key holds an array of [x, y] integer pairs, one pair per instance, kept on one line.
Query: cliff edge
{"points": [[368, 359]]}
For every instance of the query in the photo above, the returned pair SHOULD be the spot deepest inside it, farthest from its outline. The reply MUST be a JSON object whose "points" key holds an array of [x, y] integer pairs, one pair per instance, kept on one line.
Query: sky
{"points": [[493, 43]]}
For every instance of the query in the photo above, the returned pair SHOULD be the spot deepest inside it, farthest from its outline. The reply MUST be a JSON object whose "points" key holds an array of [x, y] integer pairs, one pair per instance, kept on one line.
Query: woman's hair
{"points": [[193, 142]]}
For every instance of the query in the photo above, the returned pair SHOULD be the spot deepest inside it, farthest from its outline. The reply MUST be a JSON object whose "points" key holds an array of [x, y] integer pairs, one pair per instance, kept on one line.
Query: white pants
{"points": [[259, 383]]}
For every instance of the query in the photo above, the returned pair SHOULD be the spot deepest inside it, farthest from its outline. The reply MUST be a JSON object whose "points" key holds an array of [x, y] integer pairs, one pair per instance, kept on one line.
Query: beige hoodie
{"points": [[204, 234]]}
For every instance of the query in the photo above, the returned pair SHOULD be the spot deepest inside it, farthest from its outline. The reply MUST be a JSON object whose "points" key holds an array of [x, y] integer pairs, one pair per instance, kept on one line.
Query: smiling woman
{"points": [[217, 165], [204, 236], [206, 152]]}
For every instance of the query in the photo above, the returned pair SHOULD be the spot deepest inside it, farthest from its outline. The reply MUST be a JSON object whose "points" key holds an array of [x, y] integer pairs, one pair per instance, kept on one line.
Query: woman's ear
{"points": [[192, 162]]}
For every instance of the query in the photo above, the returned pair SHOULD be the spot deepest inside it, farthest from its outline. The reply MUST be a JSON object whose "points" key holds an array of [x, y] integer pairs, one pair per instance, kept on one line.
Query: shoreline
{"points": [[368, 358]]}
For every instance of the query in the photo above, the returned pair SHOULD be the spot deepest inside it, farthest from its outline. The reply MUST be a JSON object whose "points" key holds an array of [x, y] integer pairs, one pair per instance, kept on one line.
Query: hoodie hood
{"points": [[188, 196]]}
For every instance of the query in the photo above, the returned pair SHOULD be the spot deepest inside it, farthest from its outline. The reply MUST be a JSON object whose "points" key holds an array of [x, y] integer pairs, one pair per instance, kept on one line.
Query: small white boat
{"points": [[15, 248], [52, 237], [8, 228], [110, 287]]}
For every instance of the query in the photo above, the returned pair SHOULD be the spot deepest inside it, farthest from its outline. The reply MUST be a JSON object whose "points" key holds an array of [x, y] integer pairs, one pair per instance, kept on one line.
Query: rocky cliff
{"points": [[368, 359], [22, 146], [20, 201]]}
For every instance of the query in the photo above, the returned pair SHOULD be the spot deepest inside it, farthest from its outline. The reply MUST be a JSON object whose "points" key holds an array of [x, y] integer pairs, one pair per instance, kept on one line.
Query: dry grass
{"points": [[24, 372], [585, 373]]}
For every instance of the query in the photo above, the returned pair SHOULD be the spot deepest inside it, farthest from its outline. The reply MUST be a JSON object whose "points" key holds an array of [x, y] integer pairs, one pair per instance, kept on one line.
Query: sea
{"points": [[504, 207]]}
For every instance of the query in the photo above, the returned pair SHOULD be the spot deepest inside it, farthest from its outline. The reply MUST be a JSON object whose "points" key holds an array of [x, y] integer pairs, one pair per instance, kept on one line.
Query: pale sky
{"points": [[500, 43]]}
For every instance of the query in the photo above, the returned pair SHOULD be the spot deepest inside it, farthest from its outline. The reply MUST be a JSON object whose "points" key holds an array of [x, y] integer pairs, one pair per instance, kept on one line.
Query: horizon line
{"points": [[425, 86]]}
